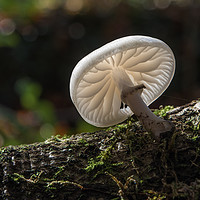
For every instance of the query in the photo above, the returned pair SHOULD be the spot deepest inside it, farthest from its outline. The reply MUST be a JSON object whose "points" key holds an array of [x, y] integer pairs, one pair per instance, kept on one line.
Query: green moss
{"points": [[123, 127], [162, 111], [60, 170], [17, 177], [193, 123], [83, 142], [102, 160], [152, 195], [56, 138], [52, 184], [33, 179]]}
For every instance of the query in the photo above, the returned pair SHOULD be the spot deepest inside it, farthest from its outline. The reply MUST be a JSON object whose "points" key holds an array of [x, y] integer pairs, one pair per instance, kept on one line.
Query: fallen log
{"points": [[121, 162]]}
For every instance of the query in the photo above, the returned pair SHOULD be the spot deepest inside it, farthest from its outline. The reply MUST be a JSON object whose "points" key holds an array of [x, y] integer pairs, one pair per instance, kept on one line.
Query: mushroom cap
{"points": [[146, 60]]}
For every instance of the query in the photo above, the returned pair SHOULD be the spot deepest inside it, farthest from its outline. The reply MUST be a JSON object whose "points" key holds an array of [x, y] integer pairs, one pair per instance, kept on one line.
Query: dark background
{"points": [[41, 42]]}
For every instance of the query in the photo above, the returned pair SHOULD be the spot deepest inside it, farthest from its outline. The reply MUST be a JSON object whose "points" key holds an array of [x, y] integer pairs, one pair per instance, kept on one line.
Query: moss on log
{"points": [[121, 162]]}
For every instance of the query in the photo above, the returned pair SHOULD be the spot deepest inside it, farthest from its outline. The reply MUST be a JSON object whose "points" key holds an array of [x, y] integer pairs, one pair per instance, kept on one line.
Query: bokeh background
{"points": [[42, 40]]}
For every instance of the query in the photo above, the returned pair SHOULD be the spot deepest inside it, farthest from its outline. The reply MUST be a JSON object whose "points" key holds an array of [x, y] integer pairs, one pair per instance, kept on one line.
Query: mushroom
{"points": [[121, 78]]}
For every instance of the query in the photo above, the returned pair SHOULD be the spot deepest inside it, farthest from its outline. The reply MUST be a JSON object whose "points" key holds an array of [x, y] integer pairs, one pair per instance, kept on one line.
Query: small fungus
{"points": [[121, 78]]}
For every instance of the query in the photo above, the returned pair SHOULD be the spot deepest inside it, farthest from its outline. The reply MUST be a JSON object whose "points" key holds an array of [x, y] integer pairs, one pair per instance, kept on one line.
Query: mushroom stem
{"points": [[160, 128], [131, 96]]}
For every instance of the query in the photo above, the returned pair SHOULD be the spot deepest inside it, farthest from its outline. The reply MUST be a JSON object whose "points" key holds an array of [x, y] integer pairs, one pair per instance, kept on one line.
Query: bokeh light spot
{"points": [[162, 4], [7, 26], [74, 5], [47, 130]]}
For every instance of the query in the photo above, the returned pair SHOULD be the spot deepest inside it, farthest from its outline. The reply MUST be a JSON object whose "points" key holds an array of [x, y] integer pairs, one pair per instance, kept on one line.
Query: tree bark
{"points": [[121, 162]]}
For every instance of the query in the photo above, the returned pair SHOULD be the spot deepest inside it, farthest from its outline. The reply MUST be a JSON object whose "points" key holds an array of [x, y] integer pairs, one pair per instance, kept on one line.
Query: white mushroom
{"points": [[122, 78]]}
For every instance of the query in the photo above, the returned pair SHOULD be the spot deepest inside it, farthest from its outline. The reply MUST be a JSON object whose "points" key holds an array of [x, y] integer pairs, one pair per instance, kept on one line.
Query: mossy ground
{"points": [[122, 162]]}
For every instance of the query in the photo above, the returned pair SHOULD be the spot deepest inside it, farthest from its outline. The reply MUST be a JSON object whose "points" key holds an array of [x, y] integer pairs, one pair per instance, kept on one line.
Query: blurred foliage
{"points": [[9, 40], [35, 121], [30, 93], [44, 39]]}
